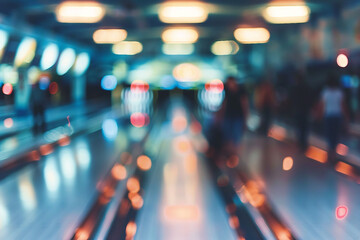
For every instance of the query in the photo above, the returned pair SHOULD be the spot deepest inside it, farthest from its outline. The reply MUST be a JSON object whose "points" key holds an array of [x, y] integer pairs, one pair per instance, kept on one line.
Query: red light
{"points": [[53, 88], [139, 119], [139, 86], [216, 86], [7, 89], [341, 212]]}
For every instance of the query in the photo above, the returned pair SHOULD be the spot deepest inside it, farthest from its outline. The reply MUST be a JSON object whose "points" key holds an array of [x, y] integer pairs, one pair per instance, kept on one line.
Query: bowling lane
{"points": [[311, 197], [48, 199], [181, 201]]}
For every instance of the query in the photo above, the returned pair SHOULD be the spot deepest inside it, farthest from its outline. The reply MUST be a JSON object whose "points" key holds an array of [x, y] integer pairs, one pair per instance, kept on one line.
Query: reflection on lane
{"points": [[51, 176]]}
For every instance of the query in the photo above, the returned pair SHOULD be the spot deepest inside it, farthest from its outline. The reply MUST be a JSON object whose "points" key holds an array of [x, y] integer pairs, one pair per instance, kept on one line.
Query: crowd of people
{"points": [[305, 105]]}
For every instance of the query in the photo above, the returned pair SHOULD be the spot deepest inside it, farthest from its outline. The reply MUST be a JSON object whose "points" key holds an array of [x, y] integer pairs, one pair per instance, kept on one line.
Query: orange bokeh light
{"points": [[64, 141], [133, 185], [288, 163], [46, 149], [144, 162], [131, 229], [277, 133], [316, 154], [119, 172], [344, 168], [342, 149], [234, 222]]}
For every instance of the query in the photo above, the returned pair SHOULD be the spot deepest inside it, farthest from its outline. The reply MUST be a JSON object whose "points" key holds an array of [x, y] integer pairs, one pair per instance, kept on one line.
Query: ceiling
{"points": [[139, 18]]}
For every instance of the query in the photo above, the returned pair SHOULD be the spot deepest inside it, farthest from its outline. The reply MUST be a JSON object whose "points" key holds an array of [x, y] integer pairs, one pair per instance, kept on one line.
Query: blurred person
{"points": [[334, 112], [301, 99], [233, 114], [38, 103], [265, 103]]}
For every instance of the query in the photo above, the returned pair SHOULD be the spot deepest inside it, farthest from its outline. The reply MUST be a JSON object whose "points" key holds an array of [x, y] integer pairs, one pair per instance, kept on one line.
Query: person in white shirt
{"points": [[333, 111]]}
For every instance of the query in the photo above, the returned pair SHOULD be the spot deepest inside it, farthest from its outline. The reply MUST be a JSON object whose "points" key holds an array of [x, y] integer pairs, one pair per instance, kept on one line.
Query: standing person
{"points": [[38, 101], [233, 112], [265, 102], [333, 111], [301, 98]]}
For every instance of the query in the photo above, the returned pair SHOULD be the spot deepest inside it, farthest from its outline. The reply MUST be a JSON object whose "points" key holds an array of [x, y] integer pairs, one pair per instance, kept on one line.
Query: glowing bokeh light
{"points": [[180, 35], [79, 12], [216, 86], [130, 230], [109, 36], [342, 60], [66, 61], [288, 163], [25, 52], [53, 88], [7, 89], [225, 48], [316, 154], [183, 12], [144, 163], [81, 64], [110, 129], [127, 48], [342, 149], [109, 82], [285, 14], [119, 172], [187, 72], [139, 120], [139, 86], [178, 49], [49, 57], [8, 123], [133, 185], [341, 212], [252, 35]]}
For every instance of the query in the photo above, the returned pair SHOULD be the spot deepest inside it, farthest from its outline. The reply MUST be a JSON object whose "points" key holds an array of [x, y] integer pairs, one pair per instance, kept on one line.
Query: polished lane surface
{"points": [[311, 197], [49, 199], [181, 201]]}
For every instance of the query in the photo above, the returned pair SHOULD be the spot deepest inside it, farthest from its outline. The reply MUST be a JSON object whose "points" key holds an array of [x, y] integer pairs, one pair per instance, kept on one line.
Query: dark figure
{"points": [[301, 98], [233, 113], [333, 111], [265, 102], [38, 101]]}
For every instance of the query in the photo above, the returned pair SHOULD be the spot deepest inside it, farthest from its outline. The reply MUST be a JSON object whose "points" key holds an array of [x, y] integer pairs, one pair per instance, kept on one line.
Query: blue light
{"points": [[44, 83], [109, 82], [110, 129], [168, 83]]}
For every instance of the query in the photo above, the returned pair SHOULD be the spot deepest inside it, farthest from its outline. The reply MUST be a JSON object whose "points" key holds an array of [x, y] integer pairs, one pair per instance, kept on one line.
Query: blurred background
{"points": [[148, 119]]}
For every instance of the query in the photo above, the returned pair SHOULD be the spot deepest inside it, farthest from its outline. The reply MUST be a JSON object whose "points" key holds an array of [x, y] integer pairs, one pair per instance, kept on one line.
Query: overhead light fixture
{"points": [[285, 14], [49, 57], [127, 48], [177, 49], [109, 36], [252, 35], [187, 72], [25, 52], [180, 35], [183, 12], [80, 12], [66, 61], [225, 48]]}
